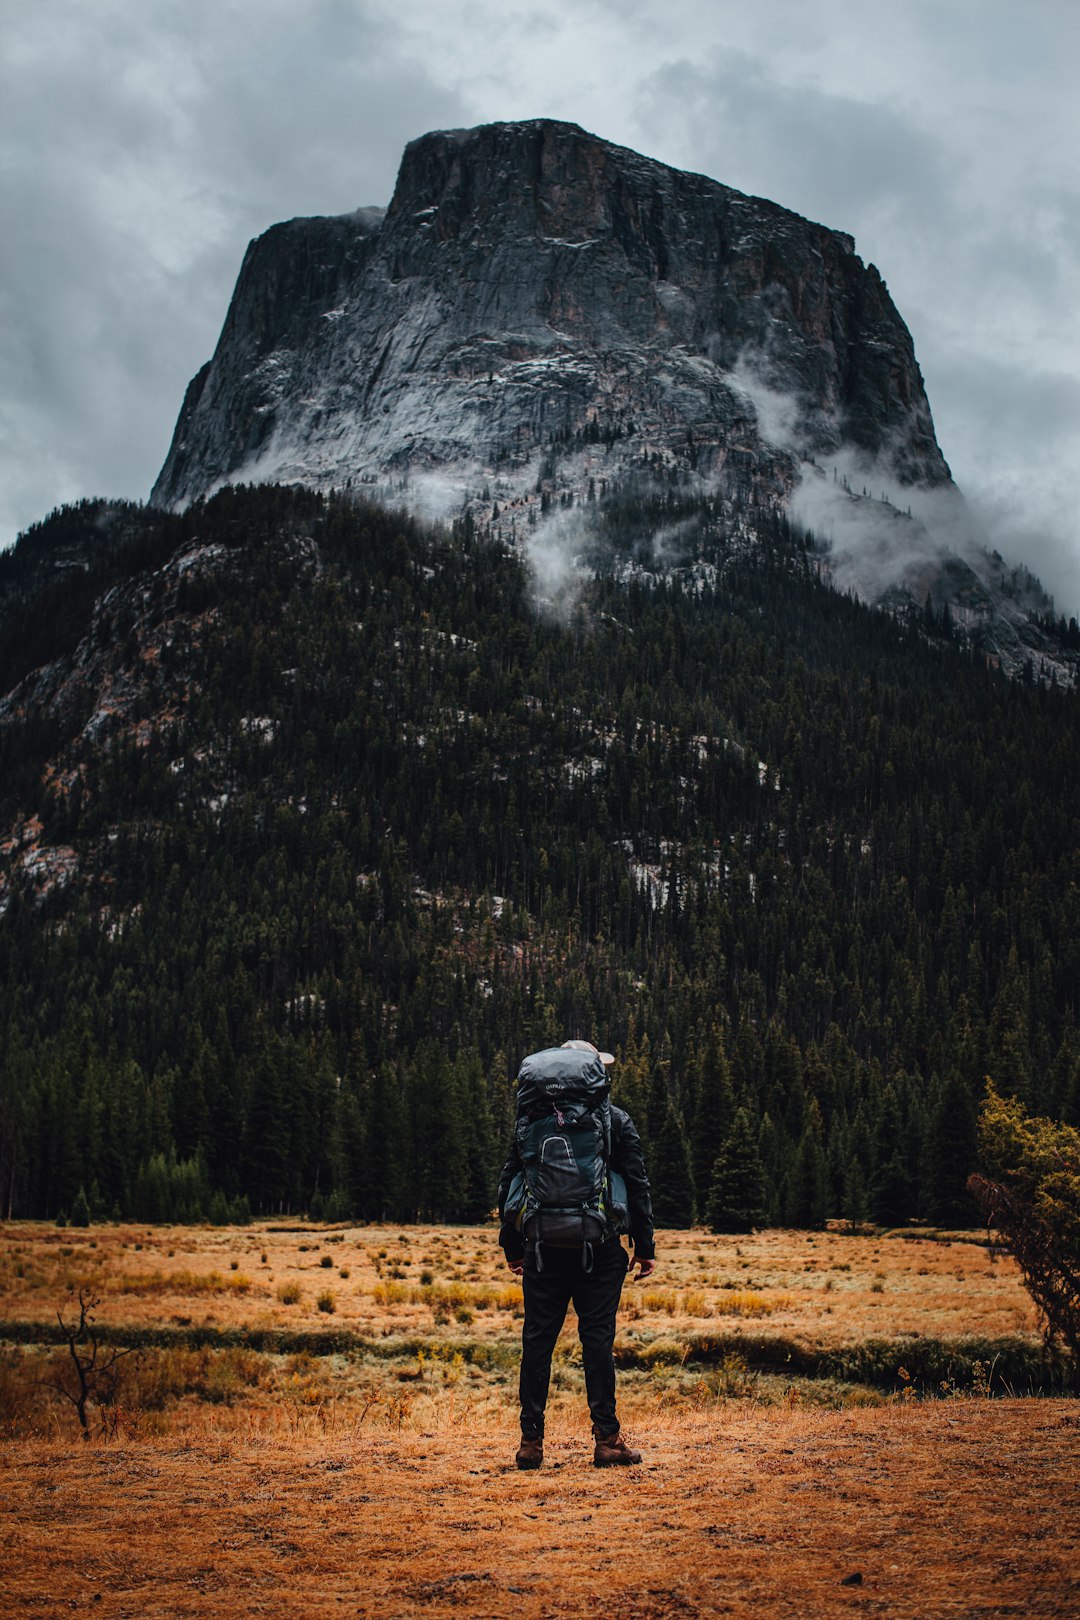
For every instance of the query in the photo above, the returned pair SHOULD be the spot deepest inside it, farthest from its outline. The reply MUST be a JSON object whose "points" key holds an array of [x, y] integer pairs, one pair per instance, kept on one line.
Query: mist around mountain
{"points": [[315, 817]]}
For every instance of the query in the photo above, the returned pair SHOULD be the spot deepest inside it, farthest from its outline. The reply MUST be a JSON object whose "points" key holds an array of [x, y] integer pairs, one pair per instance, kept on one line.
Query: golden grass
{"points": [[828, 1288], [432, 1314], [957, 1509], [697, 1305], [449, 1296], [180, 1282]]}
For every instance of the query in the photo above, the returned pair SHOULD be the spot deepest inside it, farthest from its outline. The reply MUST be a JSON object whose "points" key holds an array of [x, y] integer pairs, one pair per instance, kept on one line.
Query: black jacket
{"points": [[627, 1159]]}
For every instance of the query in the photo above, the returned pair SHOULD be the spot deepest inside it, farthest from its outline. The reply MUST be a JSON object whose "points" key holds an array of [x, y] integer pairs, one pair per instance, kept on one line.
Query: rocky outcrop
{"points": [[532, 297], [540, 316]]}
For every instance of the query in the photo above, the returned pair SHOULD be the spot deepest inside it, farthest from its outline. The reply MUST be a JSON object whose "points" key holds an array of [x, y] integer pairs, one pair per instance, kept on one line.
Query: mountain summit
{"points": [[540, 317], [529, 281]]}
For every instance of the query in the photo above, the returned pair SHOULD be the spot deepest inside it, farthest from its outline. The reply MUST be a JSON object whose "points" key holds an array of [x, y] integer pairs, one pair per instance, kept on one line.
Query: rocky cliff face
{"points": [[531, 288], [539, 317]]}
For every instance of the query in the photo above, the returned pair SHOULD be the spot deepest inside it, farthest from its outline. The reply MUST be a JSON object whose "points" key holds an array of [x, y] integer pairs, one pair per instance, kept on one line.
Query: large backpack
{"points": [[566, 1194]]}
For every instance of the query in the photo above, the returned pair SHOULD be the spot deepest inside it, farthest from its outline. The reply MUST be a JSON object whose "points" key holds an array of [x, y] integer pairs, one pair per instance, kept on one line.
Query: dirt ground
{"points": [[956, 1508]]}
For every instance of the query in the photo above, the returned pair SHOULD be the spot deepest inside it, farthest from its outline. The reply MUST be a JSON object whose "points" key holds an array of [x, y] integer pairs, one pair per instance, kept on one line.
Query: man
{"points": [[591, 1275]]}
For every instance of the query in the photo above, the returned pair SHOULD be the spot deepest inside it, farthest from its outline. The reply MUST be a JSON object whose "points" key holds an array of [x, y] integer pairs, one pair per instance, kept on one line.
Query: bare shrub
{"points": [[95, 1368]]}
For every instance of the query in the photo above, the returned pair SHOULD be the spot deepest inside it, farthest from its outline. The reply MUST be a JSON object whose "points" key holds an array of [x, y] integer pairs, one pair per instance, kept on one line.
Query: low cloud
{"points": [[972, 217], [879, 533], [556, 552], [569, 546], [780, 416], [672, 543], [1013, 444]]}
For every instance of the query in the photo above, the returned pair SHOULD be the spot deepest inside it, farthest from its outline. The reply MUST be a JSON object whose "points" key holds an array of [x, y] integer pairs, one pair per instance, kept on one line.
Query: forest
{"points": [[361, 823]]}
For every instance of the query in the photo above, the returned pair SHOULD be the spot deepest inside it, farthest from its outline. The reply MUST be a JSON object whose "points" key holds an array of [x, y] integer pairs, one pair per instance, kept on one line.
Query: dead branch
{"points": [[94, 1372]]}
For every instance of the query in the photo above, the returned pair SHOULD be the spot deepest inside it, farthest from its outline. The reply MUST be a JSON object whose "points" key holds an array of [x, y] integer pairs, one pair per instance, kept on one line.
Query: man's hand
{"points": [[647, 1266], [516, 1266]]}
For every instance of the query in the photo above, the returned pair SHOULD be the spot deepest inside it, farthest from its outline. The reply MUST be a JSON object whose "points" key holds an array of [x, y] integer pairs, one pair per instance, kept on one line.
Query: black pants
{"points": [[595, 1295]]}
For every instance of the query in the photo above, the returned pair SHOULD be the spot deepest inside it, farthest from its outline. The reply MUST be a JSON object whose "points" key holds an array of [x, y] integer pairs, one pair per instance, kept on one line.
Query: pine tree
{"points": [[671, 1176], [387, 1146], [807, 1193], [480, 1189], [855, 1204], [268, 1144], [747, 1063], [714, 1108], [631, 1086], [736, 1200], [891, 1198], [952, 1153], [774, 1151]]}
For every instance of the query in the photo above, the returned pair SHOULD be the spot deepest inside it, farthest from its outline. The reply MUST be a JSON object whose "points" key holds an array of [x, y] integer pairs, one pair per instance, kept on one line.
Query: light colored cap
{"points": [[587, 1046]]}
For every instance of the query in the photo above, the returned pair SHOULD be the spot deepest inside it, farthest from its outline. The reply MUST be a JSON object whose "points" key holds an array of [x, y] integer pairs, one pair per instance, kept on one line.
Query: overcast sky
{"points": [[143, 142]]}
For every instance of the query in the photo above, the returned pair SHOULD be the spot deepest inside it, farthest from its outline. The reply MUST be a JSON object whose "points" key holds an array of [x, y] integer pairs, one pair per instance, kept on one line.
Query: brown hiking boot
{"points": [[612, 1451], [530, 1453]]}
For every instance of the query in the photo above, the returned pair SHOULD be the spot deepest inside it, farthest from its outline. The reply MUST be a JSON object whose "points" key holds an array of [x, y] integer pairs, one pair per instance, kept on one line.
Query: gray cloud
{"points": [[145, 146], [1015, 433], [832, 157], [974, 220]]}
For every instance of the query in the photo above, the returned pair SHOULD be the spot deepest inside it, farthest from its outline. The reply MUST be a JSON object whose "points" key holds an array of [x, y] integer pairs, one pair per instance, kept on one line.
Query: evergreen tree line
{"points": [[370, 828]]}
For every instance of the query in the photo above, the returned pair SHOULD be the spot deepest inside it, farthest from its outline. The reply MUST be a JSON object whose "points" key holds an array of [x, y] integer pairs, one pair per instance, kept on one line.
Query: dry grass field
{"points": [[323, 1421], [383, 1281]]}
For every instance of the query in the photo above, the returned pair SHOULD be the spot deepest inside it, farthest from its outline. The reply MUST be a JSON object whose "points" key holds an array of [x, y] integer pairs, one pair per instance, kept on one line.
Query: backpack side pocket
{"points": [[513, 1211], [618, 1203]]}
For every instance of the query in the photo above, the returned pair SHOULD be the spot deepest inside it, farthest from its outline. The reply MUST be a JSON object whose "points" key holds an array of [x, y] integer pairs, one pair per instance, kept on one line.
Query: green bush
{"points": [[1031, 1193]]}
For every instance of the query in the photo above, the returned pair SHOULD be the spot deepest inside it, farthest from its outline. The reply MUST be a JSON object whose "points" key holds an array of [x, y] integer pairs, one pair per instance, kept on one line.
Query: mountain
{"points": [[530, 280], [316, 814], [314, 819], [540, 317]]}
